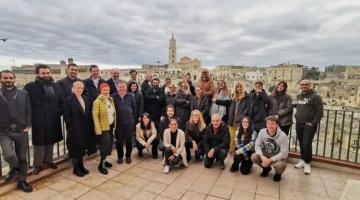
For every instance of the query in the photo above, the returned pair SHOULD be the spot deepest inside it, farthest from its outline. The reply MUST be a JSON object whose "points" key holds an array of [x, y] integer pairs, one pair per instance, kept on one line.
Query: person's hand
{"points": [[147, 145], [26, 130], [211, 153], [309, 124], [266, 162], [171, 157], [194, 147]]}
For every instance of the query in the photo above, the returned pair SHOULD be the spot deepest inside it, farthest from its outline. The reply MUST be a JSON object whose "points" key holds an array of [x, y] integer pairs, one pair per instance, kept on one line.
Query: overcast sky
{"points": [[119, 33]]}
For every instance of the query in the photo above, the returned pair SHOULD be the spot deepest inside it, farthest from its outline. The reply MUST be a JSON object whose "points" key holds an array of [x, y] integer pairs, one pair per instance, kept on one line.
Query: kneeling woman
{"points": [[146, 136], [245, 139], [77, 116], [104, 117], [174, 143], [194, 131]]}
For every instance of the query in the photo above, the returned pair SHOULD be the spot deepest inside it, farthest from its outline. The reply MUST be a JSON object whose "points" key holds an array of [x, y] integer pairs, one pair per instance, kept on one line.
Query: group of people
{"points": [[177, 120]]}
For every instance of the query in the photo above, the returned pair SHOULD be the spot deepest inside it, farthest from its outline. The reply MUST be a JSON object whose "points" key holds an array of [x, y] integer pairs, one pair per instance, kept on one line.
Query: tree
{"points": [[312, 73]]}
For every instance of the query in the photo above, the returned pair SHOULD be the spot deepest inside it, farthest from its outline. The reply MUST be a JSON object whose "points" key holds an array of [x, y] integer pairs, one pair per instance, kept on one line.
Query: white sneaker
{"points": [[166, 169], [307, 168], [300, 164]]}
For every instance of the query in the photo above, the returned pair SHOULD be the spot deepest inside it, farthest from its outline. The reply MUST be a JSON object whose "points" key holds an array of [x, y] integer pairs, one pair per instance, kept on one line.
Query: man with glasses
{"points": [[309, 112]]}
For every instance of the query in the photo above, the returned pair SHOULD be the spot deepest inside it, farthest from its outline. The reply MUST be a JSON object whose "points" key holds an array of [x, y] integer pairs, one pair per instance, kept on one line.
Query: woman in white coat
{"points": [[174, 143]]}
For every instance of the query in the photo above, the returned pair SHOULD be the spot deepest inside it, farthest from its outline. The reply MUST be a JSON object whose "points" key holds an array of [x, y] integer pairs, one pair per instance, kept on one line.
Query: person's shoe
{"points": [[52, 165], [307, 168], [154, 156], [234, 168], [277, 177], [140, 154], [83, 169], [120, 161], [299, 165], [108, 164], [24, 186], [265, 171], [128, 160], [78, 172], [166, 169], [36, 170], [103, 170], [12, 173]]}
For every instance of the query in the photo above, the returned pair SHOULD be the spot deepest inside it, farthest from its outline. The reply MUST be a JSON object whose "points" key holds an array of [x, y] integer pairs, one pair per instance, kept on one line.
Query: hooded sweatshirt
{"points": [[309, 108], [276, 147]]}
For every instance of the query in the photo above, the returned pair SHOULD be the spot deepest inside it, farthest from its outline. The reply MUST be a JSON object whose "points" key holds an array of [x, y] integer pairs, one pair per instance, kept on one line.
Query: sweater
{"points": [[309, 108], [150, 134], [276, 147]]}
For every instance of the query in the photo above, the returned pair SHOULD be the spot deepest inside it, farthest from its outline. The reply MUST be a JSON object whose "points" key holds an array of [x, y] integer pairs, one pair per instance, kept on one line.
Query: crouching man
{"points": [[271, 149]]}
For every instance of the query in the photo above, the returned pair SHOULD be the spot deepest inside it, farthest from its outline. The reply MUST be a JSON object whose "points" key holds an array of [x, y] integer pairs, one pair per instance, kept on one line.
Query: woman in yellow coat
{"points": [[104, 117]]}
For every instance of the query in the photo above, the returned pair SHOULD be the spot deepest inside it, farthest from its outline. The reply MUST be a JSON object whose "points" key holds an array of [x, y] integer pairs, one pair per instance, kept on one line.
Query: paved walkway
{"points": [[144, 179]]}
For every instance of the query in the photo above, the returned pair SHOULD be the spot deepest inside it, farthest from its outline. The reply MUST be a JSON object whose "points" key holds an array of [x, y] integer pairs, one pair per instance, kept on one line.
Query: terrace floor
{"points": [[144, 179]]}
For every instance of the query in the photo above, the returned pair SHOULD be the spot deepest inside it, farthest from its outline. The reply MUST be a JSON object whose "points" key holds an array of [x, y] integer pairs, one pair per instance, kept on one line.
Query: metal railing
{"points": [[337, 139]]}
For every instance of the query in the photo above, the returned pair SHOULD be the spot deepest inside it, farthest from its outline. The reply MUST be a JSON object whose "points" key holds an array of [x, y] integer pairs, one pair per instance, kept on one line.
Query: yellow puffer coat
{"points": [[100, 114]]}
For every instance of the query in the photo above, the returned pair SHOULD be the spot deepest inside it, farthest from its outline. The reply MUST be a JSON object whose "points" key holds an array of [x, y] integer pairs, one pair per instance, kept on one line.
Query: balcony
{"points": [[335, 148]]}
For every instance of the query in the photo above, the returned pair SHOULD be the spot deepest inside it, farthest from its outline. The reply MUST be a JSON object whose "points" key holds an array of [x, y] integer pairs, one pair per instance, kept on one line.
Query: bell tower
{"points": [[172, 52]]}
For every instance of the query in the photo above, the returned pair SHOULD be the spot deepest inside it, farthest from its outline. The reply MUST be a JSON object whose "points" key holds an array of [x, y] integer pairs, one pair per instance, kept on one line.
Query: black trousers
{"points": [[14, 149], [219, 156], [105, 143], [285, 129], [199, 152], [124, 134], [246, 164], [154, 143], [167, 153], [305, 134]]}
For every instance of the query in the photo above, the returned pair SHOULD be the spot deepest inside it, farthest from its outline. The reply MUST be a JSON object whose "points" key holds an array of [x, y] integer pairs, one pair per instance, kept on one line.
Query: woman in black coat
{"points": [[182, 104], [201, 103], [133, 88], [77, 115]]}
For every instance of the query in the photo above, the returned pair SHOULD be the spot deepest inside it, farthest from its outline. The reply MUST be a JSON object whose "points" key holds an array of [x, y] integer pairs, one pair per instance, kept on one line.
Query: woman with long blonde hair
{"points": [[194, 132], [238, 109], [221, 100]]}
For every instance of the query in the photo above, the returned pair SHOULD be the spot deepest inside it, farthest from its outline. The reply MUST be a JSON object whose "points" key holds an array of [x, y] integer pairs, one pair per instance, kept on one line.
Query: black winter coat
{"points": [[259, 109], [90, 90], [242, 110], [220, 140], [203, 105], [46, 113], [80, 134], [182, 108], [153, 102], [112, 85], [282, 106]]}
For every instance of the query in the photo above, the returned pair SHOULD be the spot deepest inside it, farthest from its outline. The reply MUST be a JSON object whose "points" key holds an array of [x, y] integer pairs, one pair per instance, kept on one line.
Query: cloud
{"points": [[262, 32]]}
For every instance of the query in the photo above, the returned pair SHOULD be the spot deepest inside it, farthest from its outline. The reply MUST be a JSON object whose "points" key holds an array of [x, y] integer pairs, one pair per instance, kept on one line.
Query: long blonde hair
{"points": [[225, 90], [187, 91], [236, 95], [202, 124]]}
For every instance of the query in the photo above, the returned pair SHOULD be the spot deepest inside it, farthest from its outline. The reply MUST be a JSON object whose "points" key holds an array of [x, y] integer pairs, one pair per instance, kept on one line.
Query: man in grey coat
{"points": [[15, 121]]}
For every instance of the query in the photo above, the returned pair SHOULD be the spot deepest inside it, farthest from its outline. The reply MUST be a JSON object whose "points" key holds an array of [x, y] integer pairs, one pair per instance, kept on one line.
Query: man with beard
{"points": [[115, 77], [154, 98], [15, 122], [66, 83], [92, 83], [46, 100]]}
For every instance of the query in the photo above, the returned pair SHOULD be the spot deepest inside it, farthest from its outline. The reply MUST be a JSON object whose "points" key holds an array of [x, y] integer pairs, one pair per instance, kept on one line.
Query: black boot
{"points": [[234, 167], [102, 169], [277, 177], [265, 171], [77, 171], [108, 164], [24, 186], [52, 165], [12, 173], [82, 167]]}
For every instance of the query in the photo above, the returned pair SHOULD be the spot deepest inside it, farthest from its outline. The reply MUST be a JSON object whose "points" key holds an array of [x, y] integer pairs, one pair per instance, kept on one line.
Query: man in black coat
{"points": [[154, 99], [125, 109], [92, 83], [259, 106], [115, 77], [46, 100], [66, 83]]}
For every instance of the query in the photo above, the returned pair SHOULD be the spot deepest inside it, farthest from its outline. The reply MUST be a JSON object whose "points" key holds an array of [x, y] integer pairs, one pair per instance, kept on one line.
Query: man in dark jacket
{"points": [[309, 111], [92, 84], [66, 83], [216, 142], [115, 77], [259, 106], [154, 99], [15, 122], [46, 100], [125, 109]]}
